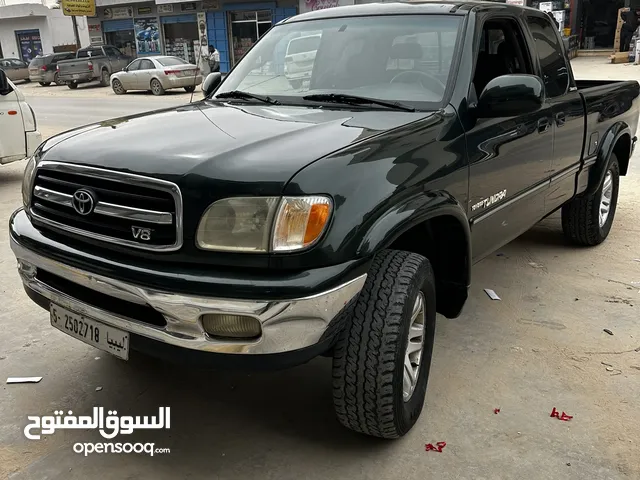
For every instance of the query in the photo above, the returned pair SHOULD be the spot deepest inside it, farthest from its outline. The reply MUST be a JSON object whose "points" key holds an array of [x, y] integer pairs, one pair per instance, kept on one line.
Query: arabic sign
{"points": [[520, 3], [79, 8], [95, 34], [118, 12], [546, 7], [165, 8], [109, 426]]}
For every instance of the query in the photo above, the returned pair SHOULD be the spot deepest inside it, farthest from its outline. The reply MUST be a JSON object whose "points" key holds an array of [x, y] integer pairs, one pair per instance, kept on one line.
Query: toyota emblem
{"points": [[83, 202]]}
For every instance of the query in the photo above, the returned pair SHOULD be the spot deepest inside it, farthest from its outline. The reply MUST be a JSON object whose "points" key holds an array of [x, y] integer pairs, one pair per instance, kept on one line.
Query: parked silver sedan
{"points": [[15, 69], [156, 74]]}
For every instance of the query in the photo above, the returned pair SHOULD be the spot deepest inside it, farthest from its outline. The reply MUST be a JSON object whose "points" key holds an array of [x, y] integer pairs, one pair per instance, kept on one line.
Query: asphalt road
{"points": [[541, 347]]}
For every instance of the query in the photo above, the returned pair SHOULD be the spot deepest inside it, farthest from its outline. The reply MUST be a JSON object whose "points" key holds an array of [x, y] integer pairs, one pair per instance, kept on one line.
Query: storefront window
{"points": [[246, 29], [147, 36], [123, 40], [181, 40], [30, 44]]}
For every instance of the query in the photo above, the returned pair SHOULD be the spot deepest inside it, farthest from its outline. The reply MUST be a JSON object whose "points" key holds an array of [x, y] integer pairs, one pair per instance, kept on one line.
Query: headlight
{"points": [[27, 181], [263, 224], [238, 224]]}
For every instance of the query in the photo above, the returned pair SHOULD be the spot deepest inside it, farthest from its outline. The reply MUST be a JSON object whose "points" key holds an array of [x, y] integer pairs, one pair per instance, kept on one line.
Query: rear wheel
{"points": [[104, 78], [588, 220], [56, 79], [117, 87], [72, 85], [382, 359], [44, 84], [156, 87], [190, 88]]}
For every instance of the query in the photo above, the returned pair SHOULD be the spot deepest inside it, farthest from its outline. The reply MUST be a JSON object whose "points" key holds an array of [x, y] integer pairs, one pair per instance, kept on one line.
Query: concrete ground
{"points": [[542, 346]]}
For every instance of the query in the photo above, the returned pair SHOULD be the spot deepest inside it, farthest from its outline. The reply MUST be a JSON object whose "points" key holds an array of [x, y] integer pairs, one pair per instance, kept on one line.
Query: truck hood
{"points": [[245, 149]]}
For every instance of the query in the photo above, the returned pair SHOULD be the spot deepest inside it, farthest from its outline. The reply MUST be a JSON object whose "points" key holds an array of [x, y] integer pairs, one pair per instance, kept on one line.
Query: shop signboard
{"points": [[147, 36], [115, 13], [168, 8], [188, 7], [81, 8], [210, 5], [519, 3], [144, 10], [546, 7], [95, 34]]}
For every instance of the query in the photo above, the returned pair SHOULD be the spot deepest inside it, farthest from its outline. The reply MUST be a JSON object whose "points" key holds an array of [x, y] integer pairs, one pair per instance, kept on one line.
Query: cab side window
{"points": [[552, 60]]}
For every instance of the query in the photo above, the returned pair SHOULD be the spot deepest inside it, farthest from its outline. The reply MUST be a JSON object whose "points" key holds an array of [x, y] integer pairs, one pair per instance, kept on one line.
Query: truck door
{"points": [[567, 107], [509, 157], [12, 138]]}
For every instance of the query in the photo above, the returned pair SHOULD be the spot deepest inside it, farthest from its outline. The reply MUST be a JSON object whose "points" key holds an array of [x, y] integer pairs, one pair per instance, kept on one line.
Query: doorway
{"points": [[246, 28], [30, 44]]}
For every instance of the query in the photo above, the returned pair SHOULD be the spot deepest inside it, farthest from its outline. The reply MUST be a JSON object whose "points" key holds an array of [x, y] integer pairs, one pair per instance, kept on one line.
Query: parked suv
{"points": [[42, 69]]}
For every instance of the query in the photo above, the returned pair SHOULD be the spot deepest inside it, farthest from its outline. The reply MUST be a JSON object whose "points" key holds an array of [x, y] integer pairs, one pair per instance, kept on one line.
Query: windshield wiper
{"points": [[247, 95], [356, 100]]}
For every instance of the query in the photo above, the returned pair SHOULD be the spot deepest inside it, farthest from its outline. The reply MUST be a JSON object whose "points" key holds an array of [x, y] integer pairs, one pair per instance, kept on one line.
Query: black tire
{"points": [[368, 360], [27, 80], [581, 216], [104, 78], [156, 87], [117, 87], [72, 85], [44, 84], [190, 88], [56, 79]]}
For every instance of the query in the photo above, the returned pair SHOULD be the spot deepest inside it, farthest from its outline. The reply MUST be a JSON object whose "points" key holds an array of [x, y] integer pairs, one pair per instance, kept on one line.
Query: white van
{"points": [[19, 135]]}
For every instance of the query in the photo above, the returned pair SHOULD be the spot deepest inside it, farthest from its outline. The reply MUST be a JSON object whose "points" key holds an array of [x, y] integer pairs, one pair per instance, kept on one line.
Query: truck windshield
{"points": [[405, 58]]}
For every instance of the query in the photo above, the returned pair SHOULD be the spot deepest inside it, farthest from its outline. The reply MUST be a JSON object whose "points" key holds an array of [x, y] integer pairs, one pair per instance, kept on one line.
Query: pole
{"points": [[75, 31]]}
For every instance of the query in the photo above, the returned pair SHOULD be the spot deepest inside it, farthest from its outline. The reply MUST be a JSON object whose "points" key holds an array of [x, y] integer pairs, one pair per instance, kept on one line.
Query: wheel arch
{"points": [[435, 225], [616, 140]]}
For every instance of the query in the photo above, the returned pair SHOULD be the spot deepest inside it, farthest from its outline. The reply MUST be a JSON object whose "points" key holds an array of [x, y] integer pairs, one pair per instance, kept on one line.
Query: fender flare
{"points": [[598, 171], [410, 212]]}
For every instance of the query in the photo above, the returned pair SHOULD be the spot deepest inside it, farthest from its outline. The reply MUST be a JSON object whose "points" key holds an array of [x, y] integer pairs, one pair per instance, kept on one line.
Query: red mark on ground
{"points": [[438, 448], [496, 411], [564, 417]]}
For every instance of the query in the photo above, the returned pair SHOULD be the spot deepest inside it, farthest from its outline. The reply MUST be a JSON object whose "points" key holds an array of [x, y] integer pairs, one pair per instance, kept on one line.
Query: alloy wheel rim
{"points": [[117, 85], [155, 88], [605, 198], [415, 347]]}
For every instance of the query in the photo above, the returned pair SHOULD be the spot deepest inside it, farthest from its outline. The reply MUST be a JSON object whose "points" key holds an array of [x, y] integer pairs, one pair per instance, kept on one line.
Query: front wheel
{"points": [[44, 84], [190, 88], [72, 85], [117, 87], [382, 359], [588, 220], [156, 87]]}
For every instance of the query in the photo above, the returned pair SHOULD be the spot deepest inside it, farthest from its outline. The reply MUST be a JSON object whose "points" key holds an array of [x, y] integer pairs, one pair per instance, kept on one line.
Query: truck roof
{"points": [[401, 7]]}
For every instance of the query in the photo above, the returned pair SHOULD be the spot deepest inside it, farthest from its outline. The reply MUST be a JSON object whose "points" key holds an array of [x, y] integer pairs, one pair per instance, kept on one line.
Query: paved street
{"points": [[542, 346]]}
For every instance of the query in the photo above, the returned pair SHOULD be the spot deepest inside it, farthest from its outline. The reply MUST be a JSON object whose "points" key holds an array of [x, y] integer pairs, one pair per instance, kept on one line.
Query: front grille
{"points": [[135, 311], [109, 206]]}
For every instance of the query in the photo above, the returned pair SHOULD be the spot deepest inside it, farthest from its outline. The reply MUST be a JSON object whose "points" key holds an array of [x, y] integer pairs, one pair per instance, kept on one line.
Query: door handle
{"points": [[560, 119], [543, 125]]}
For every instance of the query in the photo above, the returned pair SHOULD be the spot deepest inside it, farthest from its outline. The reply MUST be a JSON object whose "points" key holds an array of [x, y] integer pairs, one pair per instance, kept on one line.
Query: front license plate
{"points": [[92, 332], [75, 77]]}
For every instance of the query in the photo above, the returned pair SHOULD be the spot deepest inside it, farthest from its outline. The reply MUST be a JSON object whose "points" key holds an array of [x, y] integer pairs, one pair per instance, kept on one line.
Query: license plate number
{"points": [[91, 332], [75, 77]]}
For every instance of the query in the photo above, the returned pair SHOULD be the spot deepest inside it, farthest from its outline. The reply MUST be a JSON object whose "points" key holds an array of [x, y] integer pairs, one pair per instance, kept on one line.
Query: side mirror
{"points": [[211, 83], [4, 83], [510, 95]]}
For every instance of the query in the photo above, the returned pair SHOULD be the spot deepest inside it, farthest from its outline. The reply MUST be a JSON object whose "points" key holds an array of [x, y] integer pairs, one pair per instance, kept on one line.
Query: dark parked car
{"points": [[42, 69], [268, 224], [92, 63]]}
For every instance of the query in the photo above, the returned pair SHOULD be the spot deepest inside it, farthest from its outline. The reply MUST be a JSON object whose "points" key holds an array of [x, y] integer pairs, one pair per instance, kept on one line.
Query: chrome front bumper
{"points": [[286, 325]]}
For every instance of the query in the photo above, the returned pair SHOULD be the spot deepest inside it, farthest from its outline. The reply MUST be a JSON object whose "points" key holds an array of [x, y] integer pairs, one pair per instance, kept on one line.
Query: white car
{"points": [[19, 136], [156, 74], [299, 59]]}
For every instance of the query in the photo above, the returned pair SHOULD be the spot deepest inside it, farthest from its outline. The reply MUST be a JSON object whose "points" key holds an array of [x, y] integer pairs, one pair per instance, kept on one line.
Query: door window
{"points": [[18, 64], [552, 60], [135, 65], [112, 51], [146, 65]]}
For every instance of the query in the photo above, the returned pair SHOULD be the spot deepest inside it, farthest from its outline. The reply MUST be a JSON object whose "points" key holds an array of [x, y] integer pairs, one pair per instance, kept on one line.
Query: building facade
{"points": [[169, 27], [30, 29]]}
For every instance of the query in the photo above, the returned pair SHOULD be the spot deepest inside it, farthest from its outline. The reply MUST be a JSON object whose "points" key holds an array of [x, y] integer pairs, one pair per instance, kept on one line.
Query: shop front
{"points": [[167, 27]]}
